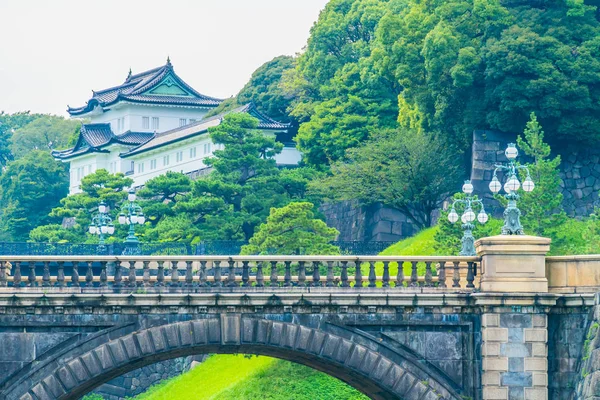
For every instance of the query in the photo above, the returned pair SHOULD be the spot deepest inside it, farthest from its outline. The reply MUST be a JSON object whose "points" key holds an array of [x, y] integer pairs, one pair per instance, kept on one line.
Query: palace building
{"points": [[153, 123]]}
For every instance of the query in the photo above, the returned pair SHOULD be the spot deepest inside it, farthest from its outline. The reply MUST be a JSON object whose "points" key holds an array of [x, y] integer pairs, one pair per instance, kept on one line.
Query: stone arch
{"points": [[363, 363]]}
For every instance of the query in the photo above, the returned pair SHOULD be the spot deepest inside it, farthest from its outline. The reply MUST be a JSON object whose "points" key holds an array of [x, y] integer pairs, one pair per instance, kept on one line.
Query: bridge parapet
{"points": [[223, 273]]}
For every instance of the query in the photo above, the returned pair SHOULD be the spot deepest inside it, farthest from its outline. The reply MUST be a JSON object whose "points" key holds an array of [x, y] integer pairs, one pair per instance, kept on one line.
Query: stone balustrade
{"points": [[220, 273]]}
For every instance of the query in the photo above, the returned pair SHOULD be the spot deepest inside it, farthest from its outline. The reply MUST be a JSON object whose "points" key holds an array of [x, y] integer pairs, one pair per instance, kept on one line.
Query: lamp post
{"points": [[101, 225], [131, 214], [512, 215], [467, 218]]}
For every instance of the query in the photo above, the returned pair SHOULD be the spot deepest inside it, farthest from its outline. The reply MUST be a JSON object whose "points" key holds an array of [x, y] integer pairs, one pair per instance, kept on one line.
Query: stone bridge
{"points": [[510, 323]]}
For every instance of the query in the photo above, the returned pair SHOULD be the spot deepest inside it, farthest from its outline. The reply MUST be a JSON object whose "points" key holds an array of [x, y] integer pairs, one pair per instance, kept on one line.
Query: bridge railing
{"points": [[219, 273]]}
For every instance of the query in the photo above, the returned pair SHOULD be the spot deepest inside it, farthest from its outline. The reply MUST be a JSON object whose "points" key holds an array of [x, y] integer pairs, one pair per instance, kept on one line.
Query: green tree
{"points": [[96, 187], [409, 171], [43, 133], [293, 229], [29, 188], [160, 195], [8, 124], [265, 90], [542, 208]]}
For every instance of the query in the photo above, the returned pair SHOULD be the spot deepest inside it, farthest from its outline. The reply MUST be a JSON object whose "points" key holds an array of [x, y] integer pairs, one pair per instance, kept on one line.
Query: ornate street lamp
{"points": [[512, 215], [131, 214], [467, 218], [101, 224]]}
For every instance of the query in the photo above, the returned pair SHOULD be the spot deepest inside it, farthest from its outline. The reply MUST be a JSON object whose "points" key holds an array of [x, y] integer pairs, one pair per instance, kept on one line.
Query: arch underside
{"points": [[363, 363]]}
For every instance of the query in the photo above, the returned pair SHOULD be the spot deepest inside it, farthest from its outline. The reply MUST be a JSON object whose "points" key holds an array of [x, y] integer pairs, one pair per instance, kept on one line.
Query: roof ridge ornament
{"points": [[169, 61], [128, 75]]}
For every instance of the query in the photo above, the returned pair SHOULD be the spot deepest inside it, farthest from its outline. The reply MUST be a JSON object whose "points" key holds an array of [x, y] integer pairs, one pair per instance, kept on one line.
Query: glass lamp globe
{"points": [[513, 184], [482, 217], [453, 216], [131, 196], [111, 229], [511, 151], [469, 215], [467, 187], [528, 184], [141, 218], [133, 218], [92, 229], [495, 185], [104, 229], [102, 207], [122, 219]]}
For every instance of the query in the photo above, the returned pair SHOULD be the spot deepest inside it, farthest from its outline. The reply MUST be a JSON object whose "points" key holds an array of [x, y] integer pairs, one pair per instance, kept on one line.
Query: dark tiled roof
{"points": [[135, 87], [201, 127], [93, 137]]}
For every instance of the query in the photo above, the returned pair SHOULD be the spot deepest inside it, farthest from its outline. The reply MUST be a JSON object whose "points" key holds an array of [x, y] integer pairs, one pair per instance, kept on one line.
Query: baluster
{"points": [[414, 276], [345, 274], [260, 278], [3, 278], [231, 277], [46, 274], [287, 279], [442, 274], [118, 276], [329, 282], [358, 283], [146, 274], [386, 274], [428, 274], [131, 279], [31, 277], [89, 275], [17, 274], [202, 274], [470, 274], [217, 268], [245, 274], [103, 274], [75, 274], [301, 274], [274, 276], [316, 275], [174, 274], [372, 276], [400, 274], [456, 274], [160, 274], [189, 275]]}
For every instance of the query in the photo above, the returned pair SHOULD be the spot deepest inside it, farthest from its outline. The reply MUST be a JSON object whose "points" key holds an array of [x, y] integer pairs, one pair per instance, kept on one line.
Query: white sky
{"points": [[53, 53]]}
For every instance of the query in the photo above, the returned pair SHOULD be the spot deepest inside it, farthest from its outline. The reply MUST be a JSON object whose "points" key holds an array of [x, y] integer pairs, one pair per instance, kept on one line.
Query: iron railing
{"points": [[217, 247]]}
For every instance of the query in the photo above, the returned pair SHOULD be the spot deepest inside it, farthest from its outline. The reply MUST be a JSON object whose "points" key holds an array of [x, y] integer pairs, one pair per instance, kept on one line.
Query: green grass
{"points": [[235, 377], [422, 244]]}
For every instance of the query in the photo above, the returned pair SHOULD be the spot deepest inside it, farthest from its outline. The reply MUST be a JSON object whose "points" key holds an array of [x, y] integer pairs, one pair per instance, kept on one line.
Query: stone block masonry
{"points": [[514, 351]]}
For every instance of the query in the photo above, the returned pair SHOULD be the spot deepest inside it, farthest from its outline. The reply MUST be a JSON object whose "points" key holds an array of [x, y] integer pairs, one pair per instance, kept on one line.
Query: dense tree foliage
{"points": [[409, 171], [446, 67], [43, 133], [9, 123], [29, 189], [293, 229], [265, 90]]}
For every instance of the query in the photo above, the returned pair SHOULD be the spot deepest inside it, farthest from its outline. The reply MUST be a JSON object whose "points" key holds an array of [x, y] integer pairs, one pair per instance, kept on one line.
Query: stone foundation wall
{"points": [[367, 223], [140, 380], [588, 369]]}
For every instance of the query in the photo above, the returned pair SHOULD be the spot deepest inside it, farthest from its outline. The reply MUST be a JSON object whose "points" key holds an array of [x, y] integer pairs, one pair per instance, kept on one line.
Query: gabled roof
{"points": [[156, 86], [93, 137], [201, 127]]}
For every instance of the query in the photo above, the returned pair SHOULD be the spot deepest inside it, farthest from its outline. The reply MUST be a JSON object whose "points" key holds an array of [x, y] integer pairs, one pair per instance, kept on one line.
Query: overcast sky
{"points": [[53, 53]]}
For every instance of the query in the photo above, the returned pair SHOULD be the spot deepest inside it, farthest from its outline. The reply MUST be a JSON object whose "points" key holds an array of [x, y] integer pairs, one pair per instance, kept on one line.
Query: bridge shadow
{"points": [[362, 361]]}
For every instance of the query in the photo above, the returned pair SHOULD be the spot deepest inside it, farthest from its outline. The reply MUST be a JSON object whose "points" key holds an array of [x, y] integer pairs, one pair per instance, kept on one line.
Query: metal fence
{"points": [[217, 248]]}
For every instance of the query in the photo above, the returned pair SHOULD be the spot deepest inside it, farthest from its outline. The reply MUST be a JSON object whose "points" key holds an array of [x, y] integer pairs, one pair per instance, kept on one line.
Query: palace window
{"points": [[155, 125], [192, 120], [166, 160], [193, 152], [206, 148], [179, 156], [152, 164], [145, 122], [182, 122], [140, 168]]}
